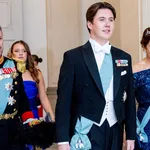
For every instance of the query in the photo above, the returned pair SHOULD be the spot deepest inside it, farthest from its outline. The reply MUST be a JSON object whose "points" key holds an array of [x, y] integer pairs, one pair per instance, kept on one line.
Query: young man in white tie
{"points": [[95, 90]]}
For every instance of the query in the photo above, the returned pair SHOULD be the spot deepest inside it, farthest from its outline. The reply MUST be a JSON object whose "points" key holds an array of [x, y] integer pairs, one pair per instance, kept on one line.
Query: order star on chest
{"points": [[11, 100], [8, 86]]}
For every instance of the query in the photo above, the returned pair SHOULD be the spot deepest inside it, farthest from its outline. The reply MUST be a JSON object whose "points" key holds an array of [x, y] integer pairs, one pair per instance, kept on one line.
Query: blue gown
{"points": [[32, 93], [142, 94]]}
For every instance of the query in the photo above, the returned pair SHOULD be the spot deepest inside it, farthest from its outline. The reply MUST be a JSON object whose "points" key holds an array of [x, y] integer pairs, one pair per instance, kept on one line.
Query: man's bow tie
{"points": [[105, 49]]}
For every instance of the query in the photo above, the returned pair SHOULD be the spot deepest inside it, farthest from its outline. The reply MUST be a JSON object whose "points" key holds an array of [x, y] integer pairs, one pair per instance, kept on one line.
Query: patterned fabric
{"points": [[7, 70], [142, 93]]}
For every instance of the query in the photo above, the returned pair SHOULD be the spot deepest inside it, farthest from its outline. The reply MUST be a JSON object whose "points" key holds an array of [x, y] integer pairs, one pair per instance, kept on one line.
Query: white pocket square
{"points": [[123, 73]]}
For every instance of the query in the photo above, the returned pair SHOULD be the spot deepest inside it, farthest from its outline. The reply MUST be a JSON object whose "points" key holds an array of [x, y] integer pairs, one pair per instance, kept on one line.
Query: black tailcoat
{"points": [[80, 91], [8, 127]]}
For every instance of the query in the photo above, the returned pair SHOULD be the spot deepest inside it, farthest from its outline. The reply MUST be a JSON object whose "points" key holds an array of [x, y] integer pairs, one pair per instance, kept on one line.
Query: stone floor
{"points": [[52, 99]]}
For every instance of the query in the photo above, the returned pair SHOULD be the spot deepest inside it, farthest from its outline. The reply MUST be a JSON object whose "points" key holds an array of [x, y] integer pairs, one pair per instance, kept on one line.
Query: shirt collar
{"points": [[100, 48]]}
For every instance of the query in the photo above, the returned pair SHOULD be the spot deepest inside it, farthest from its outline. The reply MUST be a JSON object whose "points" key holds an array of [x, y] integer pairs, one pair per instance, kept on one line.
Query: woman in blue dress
{"points": [[32, 79], [142, 92]]}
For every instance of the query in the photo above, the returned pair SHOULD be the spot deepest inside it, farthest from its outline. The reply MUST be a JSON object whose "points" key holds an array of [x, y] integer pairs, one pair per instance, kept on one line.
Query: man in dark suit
{"points": [[13, 102], [95, 90]]}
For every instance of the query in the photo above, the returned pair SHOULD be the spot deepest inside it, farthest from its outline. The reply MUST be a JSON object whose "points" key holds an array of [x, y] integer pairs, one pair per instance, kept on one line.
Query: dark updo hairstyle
{"points": [[37, 59], [145, 38]]}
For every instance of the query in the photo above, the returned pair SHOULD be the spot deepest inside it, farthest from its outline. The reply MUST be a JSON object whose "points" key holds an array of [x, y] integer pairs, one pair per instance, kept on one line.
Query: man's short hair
{"points": [[93, 9]]}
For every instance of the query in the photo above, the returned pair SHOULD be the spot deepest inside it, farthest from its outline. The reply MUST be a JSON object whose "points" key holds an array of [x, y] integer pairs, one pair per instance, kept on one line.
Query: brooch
{"points": [[11, 100], [8, 86], [79, 144]]}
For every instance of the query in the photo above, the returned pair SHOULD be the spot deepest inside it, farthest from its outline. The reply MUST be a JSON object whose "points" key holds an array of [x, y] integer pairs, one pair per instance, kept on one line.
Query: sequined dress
{"points": [[142, 94]]}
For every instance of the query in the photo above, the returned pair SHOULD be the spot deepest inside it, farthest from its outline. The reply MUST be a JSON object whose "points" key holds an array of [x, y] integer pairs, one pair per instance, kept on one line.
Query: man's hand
{"points": [[63, 147], [130, 144]]}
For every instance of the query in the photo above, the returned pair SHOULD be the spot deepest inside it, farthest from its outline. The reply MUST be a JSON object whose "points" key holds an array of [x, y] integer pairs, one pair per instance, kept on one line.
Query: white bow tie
{"points": [[105, 49]]}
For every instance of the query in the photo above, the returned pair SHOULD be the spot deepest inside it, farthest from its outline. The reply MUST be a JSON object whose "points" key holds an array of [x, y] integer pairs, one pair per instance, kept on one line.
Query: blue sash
{"points": [[4, 93], [80, 140], [142, 136]]}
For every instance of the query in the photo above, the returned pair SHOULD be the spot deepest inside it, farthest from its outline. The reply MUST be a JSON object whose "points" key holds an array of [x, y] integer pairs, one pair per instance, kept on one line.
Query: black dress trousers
{"points": [[106, 137]]}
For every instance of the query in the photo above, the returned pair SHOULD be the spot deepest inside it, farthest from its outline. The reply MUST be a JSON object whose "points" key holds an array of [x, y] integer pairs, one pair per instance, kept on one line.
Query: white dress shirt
{"points": [[109, 112]]}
